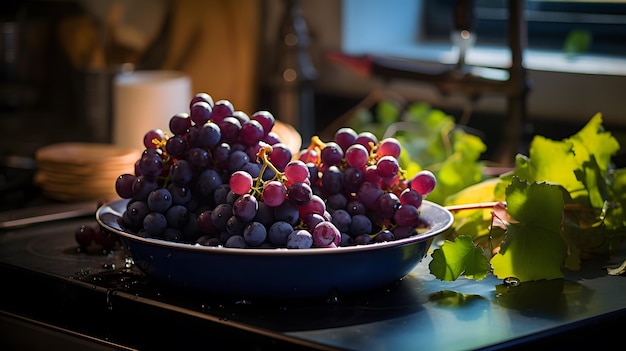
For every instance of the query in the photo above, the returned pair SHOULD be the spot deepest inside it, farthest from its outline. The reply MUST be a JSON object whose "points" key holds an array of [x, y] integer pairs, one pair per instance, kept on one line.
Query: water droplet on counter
{"points": [[511, 281]]}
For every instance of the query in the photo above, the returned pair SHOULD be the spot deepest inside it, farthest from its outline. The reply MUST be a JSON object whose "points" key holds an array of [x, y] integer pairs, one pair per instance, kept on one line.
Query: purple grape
{"points": [[230, 127], [384, 235], [236, 242], [368, 194], [266, 119], [180, 194], [177, 216], [278, 233], [357, 156], [181, 172], [345, 137], [287, 212], [326, 234], [208, 135], [411, 197], [201, 97], [152, 138], [280, 156], [342, 220], [155, 224], [331, 154], [159, 200], [180, 123], [424, 182], [300, 193], [299, 239], [273, 193], [200, 113], [387, 167], [332, 180], [198, 157], [389, 147], [336, 201], [245, 207], [367, 139], [124, 185], [251, 131], [176, 146], [235, 226], [361, 224], [221, 110], [352, 179], [255, 234], [388, 203], [407, 215], [220, 215], [142, 187]]}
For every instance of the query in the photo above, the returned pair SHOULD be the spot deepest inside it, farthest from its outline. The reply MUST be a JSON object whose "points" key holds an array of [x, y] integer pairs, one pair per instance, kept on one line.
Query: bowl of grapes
{"points": [[221, 202]]}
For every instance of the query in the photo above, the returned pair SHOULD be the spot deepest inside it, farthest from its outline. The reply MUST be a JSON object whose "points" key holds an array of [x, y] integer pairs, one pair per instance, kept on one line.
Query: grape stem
{"points": [[473, 206], [490, 204]]}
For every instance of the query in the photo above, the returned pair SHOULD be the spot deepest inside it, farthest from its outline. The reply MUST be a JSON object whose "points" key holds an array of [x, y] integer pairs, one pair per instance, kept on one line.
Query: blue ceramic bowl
{"points": [[277, 273]]}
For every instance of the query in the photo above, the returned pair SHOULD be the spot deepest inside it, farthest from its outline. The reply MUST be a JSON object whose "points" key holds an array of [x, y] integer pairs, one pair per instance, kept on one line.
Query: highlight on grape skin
{"points": [[221, 177]]}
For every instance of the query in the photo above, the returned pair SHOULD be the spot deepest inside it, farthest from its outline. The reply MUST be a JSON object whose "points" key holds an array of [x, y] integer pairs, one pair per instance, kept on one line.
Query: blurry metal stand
{"points": [[294, 73], [464, 79], [470, 81]]}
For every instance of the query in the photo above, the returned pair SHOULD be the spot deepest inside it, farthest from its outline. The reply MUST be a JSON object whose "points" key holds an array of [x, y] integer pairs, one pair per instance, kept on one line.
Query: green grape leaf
{"points": [[458, 257], [533, 248]]}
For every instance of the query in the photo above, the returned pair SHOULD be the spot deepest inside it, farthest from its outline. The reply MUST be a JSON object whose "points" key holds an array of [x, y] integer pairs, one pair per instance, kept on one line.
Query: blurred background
{"points": [[310, 62]]}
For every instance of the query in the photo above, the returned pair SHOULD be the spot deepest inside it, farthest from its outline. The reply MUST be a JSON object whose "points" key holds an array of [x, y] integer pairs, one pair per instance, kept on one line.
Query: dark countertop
{"points": [[96, 295]]}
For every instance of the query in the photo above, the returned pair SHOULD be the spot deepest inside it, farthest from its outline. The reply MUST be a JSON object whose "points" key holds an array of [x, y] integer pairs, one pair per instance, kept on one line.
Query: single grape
{"points": [[237, 159], [387, 205], [209, 135], [221, 110], [273, 193], [300, 193], [368, 194], [180, 123], [155, 224], [241, 116], [198, 157], [357, 156], [152, 138], [424, 182], [124, 185], [407, 215], [176, 146], [240, 182], [229, 127], [362, 239], [342, 220], [151, 165], [181, 172], [367, 139], [353, 178], [389, 147], [280, 156], [245, 207], [84, 236], [288, 212], [332, 153], [345, 137], [315, 205], [326, 234], [235, 225], [411, 197], [296, 171], [105, 239], [159, 200], [299, 239], [255, 234], [384, 235], [387, 167], [181, 194], [200, 112], [332, 180], [208, 181], [201, 97], [236, 242], [266, 119], [278, 233], [361, 224], [220, 215], [177, 216], [205, 224]]}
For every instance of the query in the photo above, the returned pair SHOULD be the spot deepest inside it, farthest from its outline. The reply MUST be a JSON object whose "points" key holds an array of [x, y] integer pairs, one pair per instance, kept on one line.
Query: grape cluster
{"points": [[224, 178]]}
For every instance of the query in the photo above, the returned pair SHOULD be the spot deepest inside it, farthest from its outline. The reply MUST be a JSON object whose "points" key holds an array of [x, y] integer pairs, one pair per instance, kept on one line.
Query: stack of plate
{"points": [[82, 171]]}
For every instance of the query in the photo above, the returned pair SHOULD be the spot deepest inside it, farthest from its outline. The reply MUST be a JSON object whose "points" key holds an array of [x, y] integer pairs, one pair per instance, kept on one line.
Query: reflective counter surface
{"points": [[104, 300]]}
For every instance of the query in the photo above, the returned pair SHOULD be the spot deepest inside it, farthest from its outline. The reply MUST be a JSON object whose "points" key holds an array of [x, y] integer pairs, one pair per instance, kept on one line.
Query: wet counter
{"points": [[54, 295]]}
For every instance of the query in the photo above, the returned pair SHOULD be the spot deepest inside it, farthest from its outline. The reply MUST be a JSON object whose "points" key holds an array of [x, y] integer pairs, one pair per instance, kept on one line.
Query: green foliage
{"points": [[430, 140], [564, 202]]}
